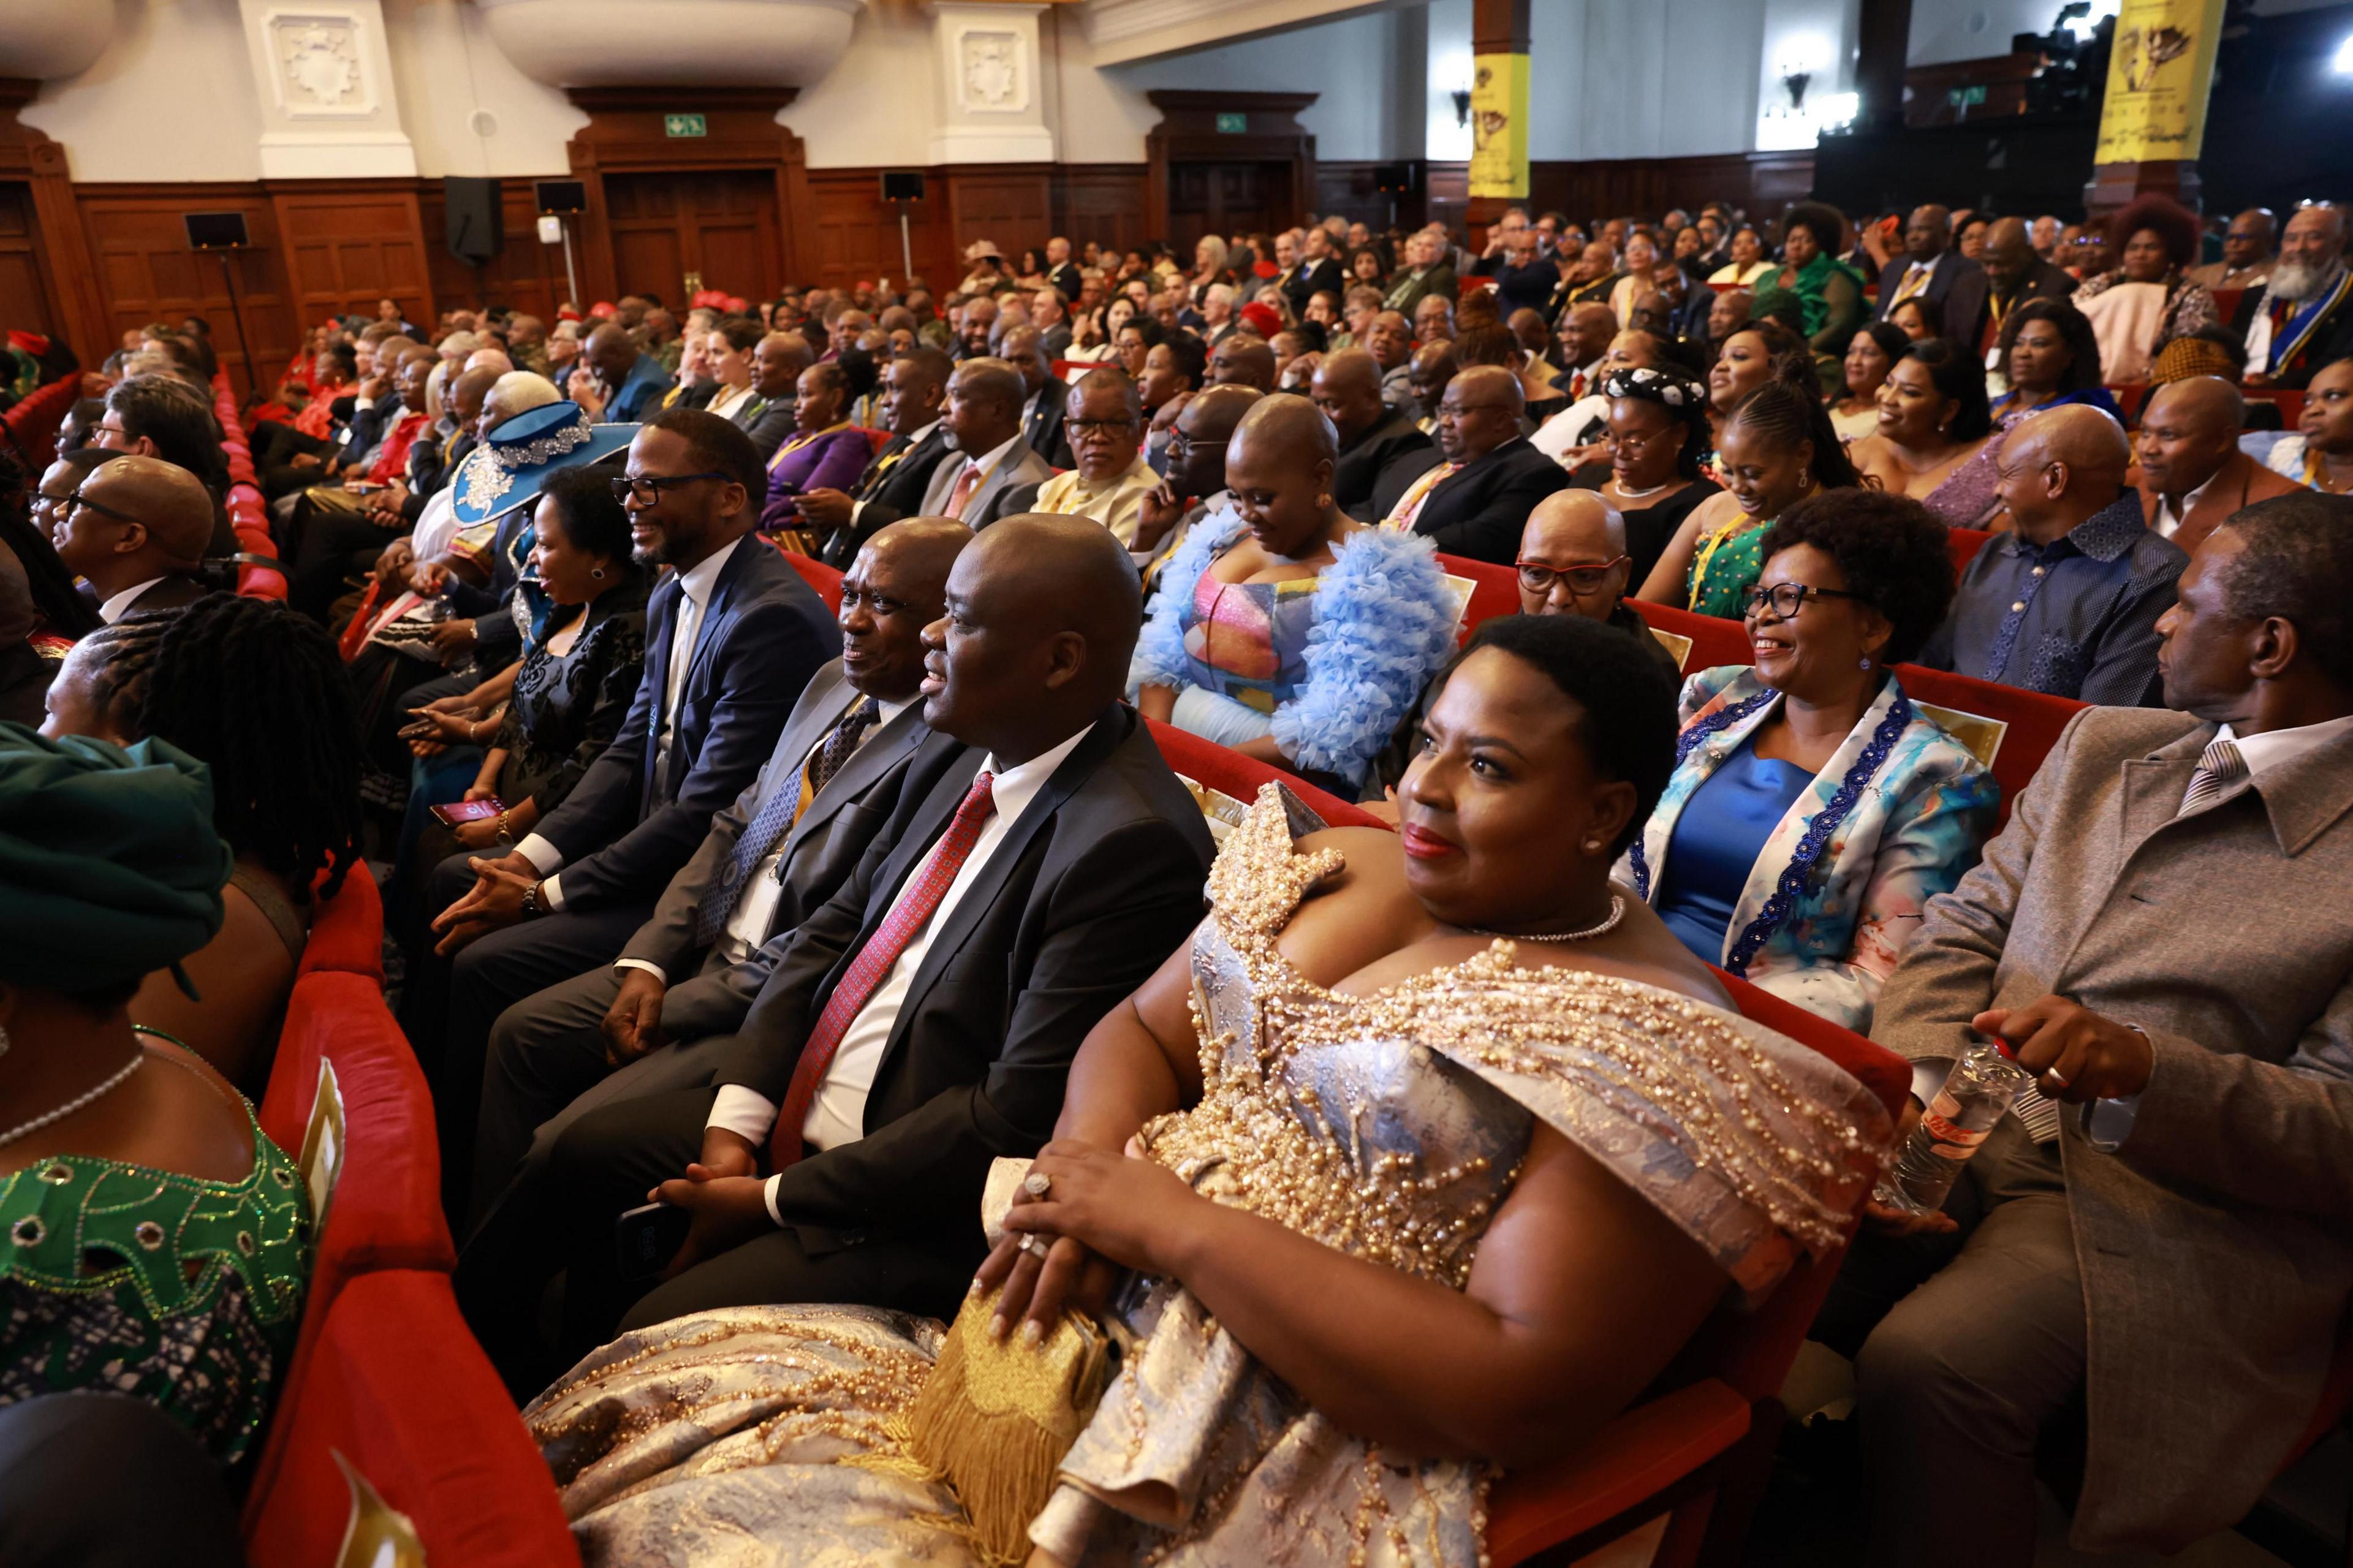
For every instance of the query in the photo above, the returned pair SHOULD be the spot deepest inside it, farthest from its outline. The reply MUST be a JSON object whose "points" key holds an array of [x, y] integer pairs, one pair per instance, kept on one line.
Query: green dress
{"points": [[179, 1291], [1725, 566]]}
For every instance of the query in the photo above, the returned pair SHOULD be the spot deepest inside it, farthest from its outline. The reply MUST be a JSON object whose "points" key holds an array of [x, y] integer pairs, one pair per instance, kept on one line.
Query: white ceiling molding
{"points": [[1125, 32], [672, 43], [43, 41]]}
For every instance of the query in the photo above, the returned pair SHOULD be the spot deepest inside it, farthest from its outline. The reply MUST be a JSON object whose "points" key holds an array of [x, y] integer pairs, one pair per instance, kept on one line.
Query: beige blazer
{"points": [[2215, 1244]]}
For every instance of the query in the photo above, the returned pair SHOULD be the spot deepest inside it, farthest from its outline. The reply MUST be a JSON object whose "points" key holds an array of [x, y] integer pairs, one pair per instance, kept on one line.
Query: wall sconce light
{"points": [[1462, 96], [1796, 81]]}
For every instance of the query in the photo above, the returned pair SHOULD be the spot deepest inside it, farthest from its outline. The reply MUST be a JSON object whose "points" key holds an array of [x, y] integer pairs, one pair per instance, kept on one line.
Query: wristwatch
{"points": [[531, 908]]}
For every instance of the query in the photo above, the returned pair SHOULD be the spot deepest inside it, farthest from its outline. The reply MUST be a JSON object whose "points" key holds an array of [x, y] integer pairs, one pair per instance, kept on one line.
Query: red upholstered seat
{"points": [[246, 515], [875, 439], [1964, 543], [1495, 590], [1220, 768], [816, 574], [1698, 1450], [1713, 640], [347, 933], [2033, 720], [398, 1387]]}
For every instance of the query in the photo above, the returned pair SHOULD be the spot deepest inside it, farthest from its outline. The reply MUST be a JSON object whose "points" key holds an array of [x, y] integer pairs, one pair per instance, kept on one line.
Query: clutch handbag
{"points": [[996, 1417]]}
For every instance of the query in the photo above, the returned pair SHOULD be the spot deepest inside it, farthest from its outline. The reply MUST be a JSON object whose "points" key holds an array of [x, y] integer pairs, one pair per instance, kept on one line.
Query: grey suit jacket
{"points": [[821, 850], [1010, 488], [2216, 1243]]}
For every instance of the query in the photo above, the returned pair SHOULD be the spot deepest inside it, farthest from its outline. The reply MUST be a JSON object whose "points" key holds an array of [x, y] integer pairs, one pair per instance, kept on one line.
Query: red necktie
{"points": [[909, 915], [966, 482], [1576, 386]]}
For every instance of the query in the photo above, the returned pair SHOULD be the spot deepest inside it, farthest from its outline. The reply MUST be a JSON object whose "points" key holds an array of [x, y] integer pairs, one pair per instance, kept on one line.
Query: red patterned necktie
{"points": [[966, 482], [912, 912]]}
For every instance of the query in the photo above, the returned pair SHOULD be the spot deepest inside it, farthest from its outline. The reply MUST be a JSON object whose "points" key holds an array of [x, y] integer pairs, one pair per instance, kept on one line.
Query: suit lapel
{"points": [[661, 624], [2154, 785], [881, 752]]}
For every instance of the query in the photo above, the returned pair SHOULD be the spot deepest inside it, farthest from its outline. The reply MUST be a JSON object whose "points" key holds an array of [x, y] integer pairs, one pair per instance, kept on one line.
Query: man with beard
{"points": [[2303, 318]]}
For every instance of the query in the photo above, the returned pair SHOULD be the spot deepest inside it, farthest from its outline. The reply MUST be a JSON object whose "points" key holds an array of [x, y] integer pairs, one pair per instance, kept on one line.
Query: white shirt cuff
{"points": [[551, 893], [768, 1193], [653, 969], [545, 856], [746, 1112]]}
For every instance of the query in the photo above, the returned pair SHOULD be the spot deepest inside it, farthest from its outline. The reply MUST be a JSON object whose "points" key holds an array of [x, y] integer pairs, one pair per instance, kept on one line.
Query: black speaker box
{"points": [[561, 195], [474, 227], [901, 187], [215, 231]]}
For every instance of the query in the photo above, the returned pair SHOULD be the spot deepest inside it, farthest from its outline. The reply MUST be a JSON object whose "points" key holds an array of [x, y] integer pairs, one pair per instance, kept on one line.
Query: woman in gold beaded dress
{"points": [[1425, 1158]]}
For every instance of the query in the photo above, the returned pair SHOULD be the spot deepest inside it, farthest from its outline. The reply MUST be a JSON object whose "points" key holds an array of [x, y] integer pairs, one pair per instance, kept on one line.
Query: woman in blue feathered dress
{"points": [[1283, 629]]}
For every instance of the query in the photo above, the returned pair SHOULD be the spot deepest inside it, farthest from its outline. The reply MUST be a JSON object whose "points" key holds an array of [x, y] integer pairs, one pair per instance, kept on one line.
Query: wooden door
{"points": [[24, 298], [720, 224], [1227, 199]]}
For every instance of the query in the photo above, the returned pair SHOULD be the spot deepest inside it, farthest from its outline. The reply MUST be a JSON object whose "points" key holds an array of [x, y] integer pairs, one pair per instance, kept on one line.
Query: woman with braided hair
{"points": [[258, 693]]}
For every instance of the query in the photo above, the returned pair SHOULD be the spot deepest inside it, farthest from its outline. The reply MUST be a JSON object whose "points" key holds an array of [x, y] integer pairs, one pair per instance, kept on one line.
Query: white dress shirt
{"points": [[695, 584], [115, 608], [988, 463], [837, 1114], [2169, 517]]}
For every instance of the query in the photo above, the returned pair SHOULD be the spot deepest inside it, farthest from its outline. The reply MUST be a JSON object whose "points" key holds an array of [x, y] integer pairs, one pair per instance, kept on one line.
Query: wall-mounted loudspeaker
{"points": [[475, 231], [561, 195], [901, 187], [215, 231]]}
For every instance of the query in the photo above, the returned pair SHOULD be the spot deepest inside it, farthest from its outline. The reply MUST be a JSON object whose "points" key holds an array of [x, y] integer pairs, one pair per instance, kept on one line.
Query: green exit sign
{"points": [[1966, 97], [1233, 124], [684, 125]]}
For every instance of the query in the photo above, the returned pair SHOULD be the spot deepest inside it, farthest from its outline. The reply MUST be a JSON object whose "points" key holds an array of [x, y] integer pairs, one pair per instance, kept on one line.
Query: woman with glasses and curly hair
{"points": [[2147, 299]]}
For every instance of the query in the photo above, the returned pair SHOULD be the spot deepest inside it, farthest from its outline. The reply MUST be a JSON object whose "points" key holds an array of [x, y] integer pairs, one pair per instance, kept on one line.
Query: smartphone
{"points": [[645, 1239], [451, 816]]}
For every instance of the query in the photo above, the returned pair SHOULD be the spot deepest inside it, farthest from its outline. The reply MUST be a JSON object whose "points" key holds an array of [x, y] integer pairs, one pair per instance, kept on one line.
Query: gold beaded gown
{"points": [[1388, 1125]]}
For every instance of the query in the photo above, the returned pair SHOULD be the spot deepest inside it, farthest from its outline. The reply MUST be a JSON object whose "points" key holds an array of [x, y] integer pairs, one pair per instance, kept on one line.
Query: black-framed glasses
{"points": [[1180, 444], [646, 489], [1087, 426], [1537, 577], [1786, 599], [76, 501]]}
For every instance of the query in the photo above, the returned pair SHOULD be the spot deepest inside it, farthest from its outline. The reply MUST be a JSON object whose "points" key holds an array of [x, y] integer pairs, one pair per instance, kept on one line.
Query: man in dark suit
{"points": [[922, 1023], [136, 530], [783, 848], [1060, 271], [994, 473], [2012, 274], [777, 366], [1382, 450], [1425, 272], [731, 637], [1931, 271], [915, 388], [1042, 415], [1475, 503]]}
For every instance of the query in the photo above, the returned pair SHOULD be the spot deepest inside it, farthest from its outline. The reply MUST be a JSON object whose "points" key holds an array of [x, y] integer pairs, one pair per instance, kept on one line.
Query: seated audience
{"points": [[2320, 453], [1586, 335], [825, 452], [2247, 256], [989, 470], [1473, 503], [257, 694], [1047, 395], [2303, 318], [1776, 448], [129, 1163], [2147, 300], [135, 530], [1428, 374], [1574, 561], [1828, 290], [1933, 421], [2067, 601], [1195, 485], [1425, 272], [2191, 474], [1915, 319], [892, 485], [1244, 360], [1748, 264], [1489, 342], [1575, 435], [1381, 448], [617, 383], [777, 366], [729, 347], [162, 417], [2051, 356], [2160, 1217], [1365, 1340], [1648, 467], [2015, 276], [46, 503], [1809, 776], [1854, 406], [1945, 289], [1289, 631], [1104, 428]]}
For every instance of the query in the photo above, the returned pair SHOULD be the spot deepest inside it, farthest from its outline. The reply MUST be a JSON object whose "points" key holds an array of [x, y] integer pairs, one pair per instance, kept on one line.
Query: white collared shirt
{"points": [[115, 608], [2275, 748], [2170, 517], [988, 463], [837, 1115], [695, 586]]}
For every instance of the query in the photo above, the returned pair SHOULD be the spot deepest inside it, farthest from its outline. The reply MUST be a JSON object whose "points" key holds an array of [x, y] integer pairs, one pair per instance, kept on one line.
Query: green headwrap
{"points": [[109, 868]]}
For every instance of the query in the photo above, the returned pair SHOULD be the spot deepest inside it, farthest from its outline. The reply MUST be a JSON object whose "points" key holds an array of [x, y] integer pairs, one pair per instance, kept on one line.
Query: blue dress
{"points": [[1717, 842]]}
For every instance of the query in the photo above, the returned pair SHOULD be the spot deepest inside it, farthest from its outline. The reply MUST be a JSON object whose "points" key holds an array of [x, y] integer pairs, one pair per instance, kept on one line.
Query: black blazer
{"points": [[892, 486], [1395, 442], [1480, 511], [1310, 278], [2331, 341], [1097, 883], [1043, 428], [625, 832], [1966, 306], [1956, 281], [1066, 279], [770, 426]]}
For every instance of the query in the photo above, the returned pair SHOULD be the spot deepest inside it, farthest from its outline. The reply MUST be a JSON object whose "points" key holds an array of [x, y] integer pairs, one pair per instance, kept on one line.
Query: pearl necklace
{"points": [[1625, 492], [87, 1097], [1617, 913]]}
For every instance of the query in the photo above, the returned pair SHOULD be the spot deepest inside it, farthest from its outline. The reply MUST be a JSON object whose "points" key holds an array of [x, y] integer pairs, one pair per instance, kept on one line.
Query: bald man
{"points": [[1585, 334], [1934, 273], [943, 1027], [1573, 562], [1242, 359], [136, 534], [2190, 472], [1474, 503], [617, 383], [1433, 365], [2068, 602], [990, 471], [1195, 485], [1382, 450], [2013, 275], [2246, 253]]}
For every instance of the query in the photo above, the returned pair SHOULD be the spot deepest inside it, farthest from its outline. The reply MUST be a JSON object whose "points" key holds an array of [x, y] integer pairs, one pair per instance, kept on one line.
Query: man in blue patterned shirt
{"points": [[2067, 604]]}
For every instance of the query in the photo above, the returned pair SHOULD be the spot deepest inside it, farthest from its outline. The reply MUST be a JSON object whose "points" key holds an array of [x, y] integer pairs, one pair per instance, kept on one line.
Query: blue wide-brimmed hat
{"points": [[507, 469]]}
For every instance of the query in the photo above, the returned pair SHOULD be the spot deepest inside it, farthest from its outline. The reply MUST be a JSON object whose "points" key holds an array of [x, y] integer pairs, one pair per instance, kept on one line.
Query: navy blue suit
{"points": [[623, 830]]}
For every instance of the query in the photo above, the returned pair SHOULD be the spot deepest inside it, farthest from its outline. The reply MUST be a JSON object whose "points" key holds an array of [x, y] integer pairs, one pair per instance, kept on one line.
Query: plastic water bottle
{"points": [[1978, 1090]]}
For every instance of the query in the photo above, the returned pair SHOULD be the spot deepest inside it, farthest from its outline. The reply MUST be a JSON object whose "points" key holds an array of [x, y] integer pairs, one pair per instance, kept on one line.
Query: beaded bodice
{"points": [[1390, 1125]]}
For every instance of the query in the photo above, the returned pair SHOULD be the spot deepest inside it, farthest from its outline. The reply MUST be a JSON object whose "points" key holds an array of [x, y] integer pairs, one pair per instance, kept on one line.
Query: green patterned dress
{"points": [[128, 1279], [1726, 567]]}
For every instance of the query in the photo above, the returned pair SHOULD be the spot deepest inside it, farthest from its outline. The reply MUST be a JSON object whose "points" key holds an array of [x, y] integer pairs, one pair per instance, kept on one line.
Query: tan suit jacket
{"points": [[2240, 482], [2213, 1244]]}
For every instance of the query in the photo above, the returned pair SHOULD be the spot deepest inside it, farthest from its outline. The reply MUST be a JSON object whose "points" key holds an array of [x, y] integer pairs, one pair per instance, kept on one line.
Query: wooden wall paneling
{"points": [[54, 261], [1352, 191], [1187, 145], [1010, 207], [349, 244], [25, 302], [139, 261], [854, 233], [1102, 202], [524, 274]]}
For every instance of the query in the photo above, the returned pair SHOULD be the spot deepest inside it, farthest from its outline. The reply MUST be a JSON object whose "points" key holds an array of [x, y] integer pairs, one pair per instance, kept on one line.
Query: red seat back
{"points": [[1219, 768], [1713, 640], [246, 515], [817, 575], [2033, 720], [1964, 543], [1495, 590], [875, 440], [402, 1392], [347, 932]]}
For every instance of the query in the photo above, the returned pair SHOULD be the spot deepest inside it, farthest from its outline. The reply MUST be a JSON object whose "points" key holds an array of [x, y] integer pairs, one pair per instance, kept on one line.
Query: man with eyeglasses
{"points": [[1106, 426], [732, 634], [1195, 485], [135, 530], [1474, 503], [1382, 450]]}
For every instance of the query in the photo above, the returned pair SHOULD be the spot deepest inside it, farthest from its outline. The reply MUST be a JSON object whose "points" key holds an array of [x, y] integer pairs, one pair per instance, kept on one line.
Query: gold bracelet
{"points": [[506, 828]]}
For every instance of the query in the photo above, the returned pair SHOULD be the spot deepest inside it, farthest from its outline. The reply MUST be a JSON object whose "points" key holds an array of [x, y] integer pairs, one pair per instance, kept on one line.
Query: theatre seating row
{"points": [[30, 425], [245, 509]]}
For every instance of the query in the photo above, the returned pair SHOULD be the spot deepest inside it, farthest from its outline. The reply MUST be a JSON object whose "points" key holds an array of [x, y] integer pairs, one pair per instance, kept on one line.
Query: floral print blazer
{"points": [[1916, 826]]}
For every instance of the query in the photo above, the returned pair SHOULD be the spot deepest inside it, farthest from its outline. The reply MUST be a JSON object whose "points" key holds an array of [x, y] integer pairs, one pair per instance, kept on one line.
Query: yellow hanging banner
{"points": [[1499, 126], [2158, 76]]}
